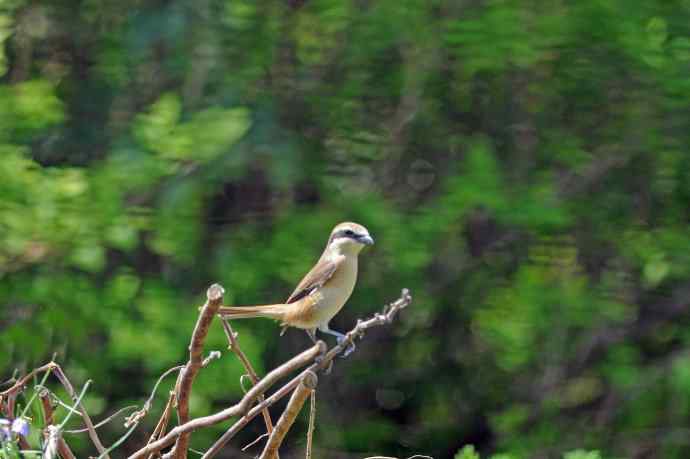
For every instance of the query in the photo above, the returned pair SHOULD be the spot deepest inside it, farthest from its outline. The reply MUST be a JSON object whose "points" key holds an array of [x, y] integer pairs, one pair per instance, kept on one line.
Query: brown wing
{"points": [[319, 274]]}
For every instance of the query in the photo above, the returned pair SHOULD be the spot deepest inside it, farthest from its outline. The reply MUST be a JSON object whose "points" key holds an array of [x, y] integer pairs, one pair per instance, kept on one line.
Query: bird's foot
{"points": [[312, 334], [349, 349], [328, 368]]}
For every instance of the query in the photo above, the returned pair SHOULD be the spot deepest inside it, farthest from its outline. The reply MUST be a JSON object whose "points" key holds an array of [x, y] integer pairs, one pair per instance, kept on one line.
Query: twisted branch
{"points": [[87, 419], [214, 296], [240, 408], [234, 346], [385, 317]]}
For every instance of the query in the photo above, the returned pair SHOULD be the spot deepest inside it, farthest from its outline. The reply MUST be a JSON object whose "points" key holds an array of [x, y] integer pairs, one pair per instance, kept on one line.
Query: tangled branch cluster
{"points": [[255, 401]]}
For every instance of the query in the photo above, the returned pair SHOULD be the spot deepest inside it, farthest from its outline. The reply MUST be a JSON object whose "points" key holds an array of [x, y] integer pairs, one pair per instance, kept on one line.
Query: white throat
{"points": [[345, 247]]}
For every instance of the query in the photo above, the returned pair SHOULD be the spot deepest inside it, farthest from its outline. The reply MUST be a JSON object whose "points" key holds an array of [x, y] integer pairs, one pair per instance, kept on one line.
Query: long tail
{"points": [[272, 311]]}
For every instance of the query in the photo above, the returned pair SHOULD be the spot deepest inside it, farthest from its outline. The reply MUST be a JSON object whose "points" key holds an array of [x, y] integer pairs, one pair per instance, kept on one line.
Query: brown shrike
{"points": [[322, 292]]}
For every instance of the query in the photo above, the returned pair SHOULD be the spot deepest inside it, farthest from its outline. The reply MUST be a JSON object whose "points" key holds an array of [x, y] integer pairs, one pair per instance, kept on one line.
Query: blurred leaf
{"points": [[201, 138], [582, 454], [210, 132], [467, 452]]}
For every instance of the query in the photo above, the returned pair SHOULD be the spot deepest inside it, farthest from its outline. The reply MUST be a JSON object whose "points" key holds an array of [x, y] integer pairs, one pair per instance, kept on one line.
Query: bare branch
{"points": [[301, 387], [163, 421], [241, 407], [294, 406], [78, 400], [47, 405], [214, 296], [21, 382], [256, 440], [244, 420], [138, 415], [87, 419], [387, 316], [234, 346], [12, 378], [380, 318], [312, 422], [103, 421]]}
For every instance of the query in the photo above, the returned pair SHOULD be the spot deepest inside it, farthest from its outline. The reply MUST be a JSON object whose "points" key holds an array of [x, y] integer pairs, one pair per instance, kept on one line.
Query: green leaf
{"points": [[582, 454], [89, 257], [467, 452], [155, 128], [206, 135]]}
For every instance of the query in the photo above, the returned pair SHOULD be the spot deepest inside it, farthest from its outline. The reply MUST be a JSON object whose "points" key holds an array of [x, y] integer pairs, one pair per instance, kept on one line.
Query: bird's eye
{"points": [[349, 233]]}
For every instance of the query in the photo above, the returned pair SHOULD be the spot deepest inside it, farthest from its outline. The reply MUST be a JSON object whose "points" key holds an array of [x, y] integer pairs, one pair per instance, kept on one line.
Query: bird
{"points": [[323, 291]]}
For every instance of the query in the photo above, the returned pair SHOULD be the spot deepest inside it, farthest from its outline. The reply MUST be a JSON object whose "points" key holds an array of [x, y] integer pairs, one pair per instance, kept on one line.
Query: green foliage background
{"points": [[523, 166]]}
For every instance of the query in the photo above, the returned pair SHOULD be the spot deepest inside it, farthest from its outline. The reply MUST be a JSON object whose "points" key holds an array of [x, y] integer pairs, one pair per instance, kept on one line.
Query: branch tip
{"points": [[215, 292]]}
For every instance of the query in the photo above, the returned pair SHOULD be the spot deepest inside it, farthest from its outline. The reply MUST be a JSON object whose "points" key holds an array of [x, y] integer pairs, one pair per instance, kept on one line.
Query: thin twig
{"points": [[46, 403], [163, 421], [256, 440], [57, 399], [380, 318], [118, 442], [47, 394], [239, 408], [33, 396], [162, 424], [213, 355], [214, 296], [76, 403], [21, 382], [51, 366], [387, 316], [87, 419], [102, 422], [8, 406], [234, 346], [138, 415], [294, 406], [12, 378], [312, 423], [244, 420]]}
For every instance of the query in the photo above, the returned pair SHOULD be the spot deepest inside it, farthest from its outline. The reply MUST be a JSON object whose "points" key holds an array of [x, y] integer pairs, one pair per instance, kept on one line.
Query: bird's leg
{"points": [[312, 334], [340, 337]]}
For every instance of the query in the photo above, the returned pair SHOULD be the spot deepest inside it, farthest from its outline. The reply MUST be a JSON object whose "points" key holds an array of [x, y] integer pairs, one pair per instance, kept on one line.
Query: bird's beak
{"points": [[366, 240]]}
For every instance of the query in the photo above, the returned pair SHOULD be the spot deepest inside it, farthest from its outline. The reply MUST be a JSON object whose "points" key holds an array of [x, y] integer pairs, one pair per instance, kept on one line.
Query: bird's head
{"points": [[349, 237]]}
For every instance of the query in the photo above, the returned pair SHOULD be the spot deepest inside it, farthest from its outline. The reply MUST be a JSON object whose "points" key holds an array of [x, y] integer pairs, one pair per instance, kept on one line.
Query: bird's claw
{"points": [[349, 349], [329, 368], [319, 360]]}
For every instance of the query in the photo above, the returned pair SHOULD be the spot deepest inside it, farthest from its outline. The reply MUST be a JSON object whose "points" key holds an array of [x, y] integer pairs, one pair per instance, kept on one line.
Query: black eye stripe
{"points": [[345, 233]]}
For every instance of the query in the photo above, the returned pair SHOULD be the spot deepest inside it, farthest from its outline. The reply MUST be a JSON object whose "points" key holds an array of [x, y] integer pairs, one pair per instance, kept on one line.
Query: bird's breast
{"points": [[331, 297]]}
